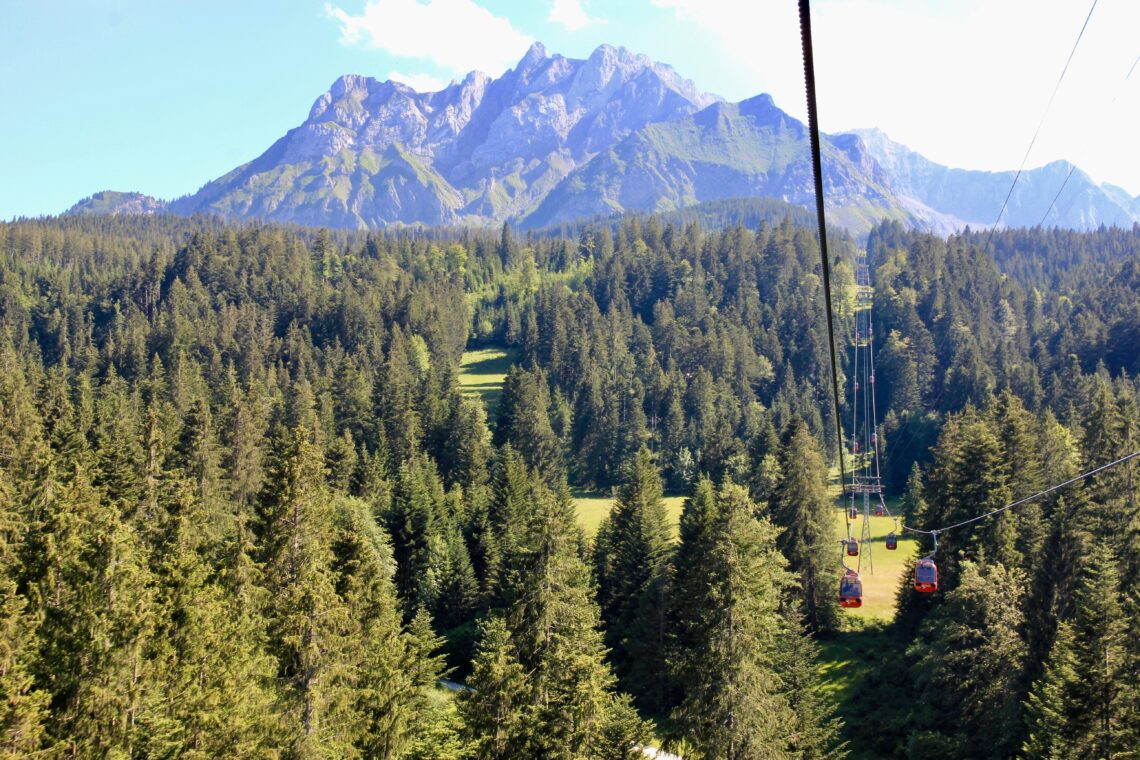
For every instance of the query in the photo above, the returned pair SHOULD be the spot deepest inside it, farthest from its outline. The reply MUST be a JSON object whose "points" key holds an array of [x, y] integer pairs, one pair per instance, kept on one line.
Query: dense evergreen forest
{"points": [[247, 509]]}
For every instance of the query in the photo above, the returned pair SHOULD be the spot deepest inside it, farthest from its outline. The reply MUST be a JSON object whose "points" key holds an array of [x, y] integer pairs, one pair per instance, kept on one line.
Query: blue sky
{"points": [[160, 96]]}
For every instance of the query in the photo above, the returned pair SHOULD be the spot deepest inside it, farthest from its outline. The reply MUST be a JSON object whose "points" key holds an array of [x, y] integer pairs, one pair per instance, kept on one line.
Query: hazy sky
{"points": [[161, 96]]}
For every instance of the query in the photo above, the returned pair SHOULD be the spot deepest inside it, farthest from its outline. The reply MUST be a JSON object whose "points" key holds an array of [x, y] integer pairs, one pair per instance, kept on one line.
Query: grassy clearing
{"points": [[881, 570], [593, 508], [482, 373]]}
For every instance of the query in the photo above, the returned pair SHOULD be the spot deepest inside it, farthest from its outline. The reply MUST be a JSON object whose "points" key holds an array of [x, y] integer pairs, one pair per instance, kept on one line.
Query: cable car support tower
{"points": [[866, 485]]}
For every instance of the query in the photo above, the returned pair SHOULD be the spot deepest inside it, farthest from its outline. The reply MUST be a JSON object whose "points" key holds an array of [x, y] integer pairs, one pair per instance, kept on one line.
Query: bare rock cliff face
{"points": [[557, 138]]}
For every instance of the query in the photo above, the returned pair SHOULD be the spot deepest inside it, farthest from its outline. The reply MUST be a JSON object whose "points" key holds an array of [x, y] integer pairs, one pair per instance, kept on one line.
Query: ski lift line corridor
{"points": [[869, 483]]}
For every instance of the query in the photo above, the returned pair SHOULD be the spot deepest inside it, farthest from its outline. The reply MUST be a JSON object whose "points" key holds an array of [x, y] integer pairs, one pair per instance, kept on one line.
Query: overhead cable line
{"points": [[1040, 123], [1050, 489], [817, 169], [1073, 167]]}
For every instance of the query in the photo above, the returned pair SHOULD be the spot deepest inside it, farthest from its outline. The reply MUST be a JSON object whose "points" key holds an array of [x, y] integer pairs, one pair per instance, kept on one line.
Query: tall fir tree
{"points": [[968, 662], [309, 622], [732, 705], [633, 569], [801, 508]]}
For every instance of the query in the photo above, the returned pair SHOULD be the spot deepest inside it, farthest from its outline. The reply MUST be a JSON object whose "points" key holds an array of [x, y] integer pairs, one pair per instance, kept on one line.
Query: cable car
{"points": [[853, 513], [879, 511], [926, 576], [874, 439], [853, 548], [850, 590], [856, 447], [892, 541]]}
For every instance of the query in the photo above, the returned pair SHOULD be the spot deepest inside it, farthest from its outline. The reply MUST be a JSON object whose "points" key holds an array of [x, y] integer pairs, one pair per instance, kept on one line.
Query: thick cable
{"points": [[1040, 123], [1019, 502], [817, 169]]}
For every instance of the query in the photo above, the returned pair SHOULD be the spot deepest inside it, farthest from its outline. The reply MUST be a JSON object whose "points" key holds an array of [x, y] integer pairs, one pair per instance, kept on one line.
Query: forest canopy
{"points": [[247, 508]]}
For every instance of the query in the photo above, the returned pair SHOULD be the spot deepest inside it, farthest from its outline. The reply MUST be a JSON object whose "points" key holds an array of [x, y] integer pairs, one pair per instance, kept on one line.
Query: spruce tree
{"points": [[1050, 724], [23, 706], [309, 622], [554, 624], [1099, 628], [633, 582], [732, 706], [968, 660], [801, 508], [815, 732], [216, 676], [495, 710]]}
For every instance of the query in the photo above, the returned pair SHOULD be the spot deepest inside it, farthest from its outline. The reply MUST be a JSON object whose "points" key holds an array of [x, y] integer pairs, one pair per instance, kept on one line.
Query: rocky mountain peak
{"points": [[534, 56], [556, 138]]}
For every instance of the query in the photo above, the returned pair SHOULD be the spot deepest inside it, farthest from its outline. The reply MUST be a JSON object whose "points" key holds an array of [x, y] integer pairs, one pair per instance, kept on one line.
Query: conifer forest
{"points": [[251, 506]]}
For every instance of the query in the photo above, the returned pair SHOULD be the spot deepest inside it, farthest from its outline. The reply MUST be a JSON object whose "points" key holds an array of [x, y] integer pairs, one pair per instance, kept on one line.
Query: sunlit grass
{"points": [[482, 373], [881, 570], [593, 508]]}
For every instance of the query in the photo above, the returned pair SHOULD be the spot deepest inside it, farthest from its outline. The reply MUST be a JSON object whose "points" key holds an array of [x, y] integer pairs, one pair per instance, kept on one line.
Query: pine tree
{"points": [[495, 711], [732, 706], [1051, 733], [309, 623], [800, 506], [633, 582], [555, 627], [969, 657]]}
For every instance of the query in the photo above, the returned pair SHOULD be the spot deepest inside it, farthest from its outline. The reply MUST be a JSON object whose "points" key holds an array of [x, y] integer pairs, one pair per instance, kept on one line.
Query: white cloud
{"points": [[571, 16], [418, 82], [964, 83], [456, 35]]}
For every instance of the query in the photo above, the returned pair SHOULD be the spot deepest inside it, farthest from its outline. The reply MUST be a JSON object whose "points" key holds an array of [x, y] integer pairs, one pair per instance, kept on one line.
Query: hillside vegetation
{"points": [[261, 487]]}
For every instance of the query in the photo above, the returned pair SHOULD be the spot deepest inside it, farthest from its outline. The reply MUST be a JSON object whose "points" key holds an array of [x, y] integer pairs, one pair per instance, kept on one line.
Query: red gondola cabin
{"points": [[853, 513], [852, 548], [892, 542], [926, 576], [850, 590], [879, 511]]}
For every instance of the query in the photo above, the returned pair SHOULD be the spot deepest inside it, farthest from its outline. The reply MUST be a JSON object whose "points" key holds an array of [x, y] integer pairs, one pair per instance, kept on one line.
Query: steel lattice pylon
{"points": [[865, 478]]}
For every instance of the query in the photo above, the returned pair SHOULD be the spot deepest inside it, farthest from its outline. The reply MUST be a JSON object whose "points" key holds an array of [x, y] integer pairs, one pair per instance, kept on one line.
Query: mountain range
{"points": [[556, 139]]}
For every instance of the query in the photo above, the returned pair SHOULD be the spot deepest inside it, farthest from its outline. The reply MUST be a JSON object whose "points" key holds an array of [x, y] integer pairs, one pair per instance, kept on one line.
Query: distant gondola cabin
{"points": [[850, 590], [892, 542], [853, 513], [852, 548], [926, 576]]}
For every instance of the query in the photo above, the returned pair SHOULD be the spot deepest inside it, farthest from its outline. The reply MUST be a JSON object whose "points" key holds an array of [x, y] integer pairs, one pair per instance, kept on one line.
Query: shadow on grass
{"points": [[496, 362], [866, 672]]}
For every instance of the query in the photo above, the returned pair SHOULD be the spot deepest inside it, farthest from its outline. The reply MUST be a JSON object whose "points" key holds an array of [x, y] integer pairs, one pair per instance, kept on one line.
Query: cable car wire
{"points": [[1073, 167], [1040, 123], [1019, 502], [817, 169]]}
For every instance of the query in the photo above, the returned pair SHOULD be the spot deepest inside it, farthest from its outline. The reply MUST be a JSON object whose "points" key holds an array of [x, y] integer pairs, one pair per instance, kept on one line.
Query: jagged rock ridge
{"points": [[556, 138]]}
